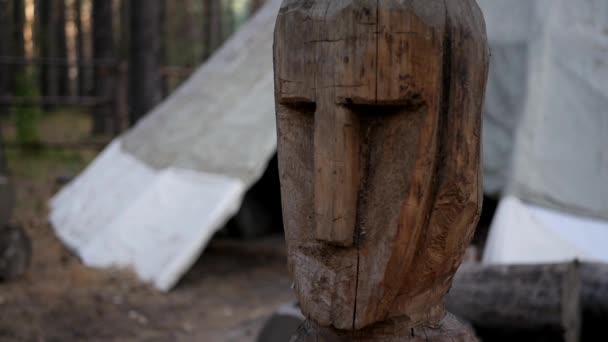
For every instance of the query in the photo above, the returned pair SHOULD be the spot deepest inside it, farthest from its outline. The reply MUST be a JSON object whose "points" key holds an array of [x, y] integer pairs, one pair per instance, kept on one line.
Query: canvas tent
{"points": [[508, 24], [550, 71], [157, 194]]}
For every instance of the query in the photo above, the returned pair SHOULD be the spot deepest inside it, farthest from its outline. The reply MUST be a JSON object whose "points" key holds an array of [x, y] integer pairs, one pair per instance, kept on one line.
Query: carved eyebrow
{"points": [[413, 103], [304, 104]]}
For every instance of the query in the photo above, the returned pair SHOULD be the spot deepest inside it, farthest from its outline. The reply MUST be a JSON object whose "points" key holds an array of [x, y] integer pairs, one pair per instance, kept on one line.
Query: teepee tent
{"points": [[156, 195]]}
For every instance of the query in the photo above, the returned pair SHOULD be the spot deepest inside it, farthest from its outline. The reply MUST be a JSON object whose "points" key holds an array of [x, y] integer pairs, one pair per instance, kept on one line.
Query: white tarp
{"points": [[527, 234], [560, 152], [156, 195], [508, 24]]}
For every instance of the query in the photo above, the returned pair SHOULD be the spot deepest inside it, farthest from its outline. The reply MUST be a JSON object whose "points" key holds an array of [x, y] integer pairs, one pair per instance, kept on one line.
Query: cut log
{"points": [[527, 303], [594, 298], [15, 252]]}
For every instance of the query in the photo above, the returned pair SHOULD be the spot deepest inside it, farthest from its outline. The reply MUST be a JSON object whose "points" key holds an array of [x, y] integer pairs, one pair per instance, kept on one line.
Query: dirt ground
{"points": [[227, 296]]}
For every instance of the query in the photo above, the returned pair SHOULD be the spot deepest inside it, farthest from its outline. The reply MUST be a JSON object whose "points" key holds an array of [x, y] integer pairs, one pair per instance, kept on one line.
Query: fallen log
{"points": [[524, 303], [594, 298], [15, 252]]}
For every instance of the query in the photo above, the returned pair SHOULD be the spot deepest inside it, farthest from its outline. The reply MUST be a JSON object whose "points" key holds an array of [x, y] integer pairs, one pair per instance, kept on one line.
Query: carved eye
{"points": [[303, 106]]}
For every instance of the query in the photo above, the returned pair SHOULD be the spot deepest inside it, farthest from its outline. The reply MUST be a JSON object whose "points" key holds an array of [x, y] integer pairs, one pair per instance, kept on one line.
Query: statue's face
{"points": [[378, 157]]}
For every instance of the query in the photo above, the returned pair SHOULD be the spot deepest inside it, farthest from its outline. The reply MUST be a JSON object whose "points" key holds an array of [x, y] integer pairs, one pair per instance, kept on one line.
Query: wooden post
{"points": [[379, 119]]}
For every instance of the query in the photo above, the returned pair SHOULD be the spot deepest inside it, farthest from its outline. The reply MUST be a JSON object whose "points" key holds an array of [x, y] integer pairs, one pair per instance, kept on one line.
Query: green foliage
{"points": [[27, 116], [41, 163]]}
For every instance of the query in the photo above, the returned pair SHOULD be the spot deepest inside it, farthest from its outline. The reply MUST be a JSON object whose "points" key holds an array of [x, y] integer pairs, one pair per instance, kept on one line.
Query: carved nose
{"points": [[336, 180]]}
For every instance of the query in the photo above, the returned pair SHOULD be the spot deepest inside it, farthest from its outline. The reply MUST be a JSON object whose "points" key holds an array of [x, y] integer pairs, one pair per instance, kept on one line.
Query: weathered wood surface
{"points": [[528, 302], [378, 117], [448, 329]]}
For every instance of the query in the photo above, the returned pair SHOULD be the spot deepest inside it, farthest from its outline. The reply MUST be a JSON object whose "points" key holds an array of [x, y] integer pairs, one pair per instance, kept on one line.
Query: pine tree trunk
{"points": [[103, 50], [213, 26], [230, 20], [163, 47], [125, 28], [18, 38], [5, 47], [145, 50], [42, 40], [60, 47], [255, 5], [80, 58]]}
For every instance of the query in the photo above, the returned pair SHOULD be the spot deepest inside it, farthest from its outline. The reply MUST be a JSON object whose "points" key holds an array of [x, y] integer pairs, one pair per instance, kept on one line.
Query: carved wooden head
{"points": [[378, 115]]}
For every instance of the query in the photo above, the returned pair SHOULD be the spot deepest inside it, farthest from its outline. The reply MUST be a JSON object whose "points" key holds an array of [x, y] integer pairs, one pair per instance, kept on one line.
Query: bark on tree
{"points": [[59, 46], [529, 303], [229, 22], [79, 43], [145, 44], [212, 26], [5, 47], [163, 47], [42, 20], [125, 29], [18, 38], [103, 50], [51, 41]]}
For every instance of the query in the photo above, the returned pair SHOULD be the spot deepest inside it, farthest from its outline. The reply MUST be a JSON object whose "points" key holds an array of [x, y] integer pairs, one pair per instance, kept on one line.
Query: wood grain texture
{"points": [[449, 329], [378, 118]]}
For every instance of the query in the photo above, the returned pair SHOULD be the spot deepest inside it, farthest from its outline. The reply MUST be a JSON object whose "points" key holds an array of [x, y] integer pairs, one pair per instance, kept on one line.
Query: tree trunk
{"points": [[525, 303], [18, 38], [103, 50], [163, 47], [229, 22], [145, 79], [60, 48], [51, 41], [80, 58], [5, 47], [125, 29], [213, 26], [255, 5], [42, 37]]}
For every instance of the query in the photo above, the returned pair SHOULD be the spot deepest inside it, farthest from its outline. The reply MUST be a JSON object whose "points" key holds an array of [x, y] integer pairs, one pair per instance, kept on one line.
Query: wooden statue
{"points": [[379, 118]]}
